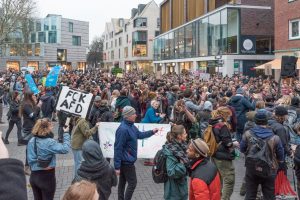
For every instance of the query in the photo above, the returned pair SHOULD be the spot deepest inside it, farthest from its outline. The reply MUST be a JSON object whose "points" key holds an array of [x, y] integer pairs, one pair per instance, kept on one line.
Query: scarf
{"points": [[178, 150]]}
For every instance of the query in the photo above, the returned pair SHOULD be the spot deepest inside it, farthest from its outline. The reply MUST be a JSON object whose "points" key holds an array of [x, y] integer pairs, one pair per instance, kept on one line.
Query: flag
{"points": [[31, 84], [52, 77]]}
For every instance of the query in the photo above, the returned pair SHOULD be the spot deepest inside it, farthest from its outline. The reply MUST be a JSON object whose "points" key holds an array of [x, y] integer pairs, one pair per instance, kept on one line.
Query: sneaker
{"points": [[5, 141], [27, 170], [20, 143]]}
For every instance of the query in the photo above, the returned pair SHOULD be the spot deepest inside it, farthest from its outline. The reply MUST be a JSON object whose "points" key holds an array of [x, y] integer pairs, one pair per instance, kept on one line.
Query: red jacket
{"points": [[205, 181]]}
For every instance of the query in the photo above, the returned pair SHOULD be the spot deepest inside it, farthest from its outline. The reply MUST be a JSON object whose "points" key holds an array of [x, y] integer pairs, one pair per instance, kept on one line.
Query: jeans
{"points": [[77, 160], [96, 137], [239, 134], [11, 126], [267, 186], [127, 175], [43, 184], [227, 175]]}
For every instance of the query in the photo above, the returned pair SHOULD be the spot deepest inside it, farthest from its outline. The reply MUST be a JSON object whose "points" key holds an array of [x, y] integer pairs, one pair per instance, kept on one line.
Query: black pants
{"points": [[11, 126], [43, 184], [60, 134], [267, 186], [127, 174]]}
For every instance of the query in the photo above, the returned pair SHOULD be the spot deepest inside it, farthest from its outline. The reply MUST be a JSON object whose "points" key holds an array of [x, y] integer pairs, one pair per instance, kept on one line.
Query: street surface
{"points": [[146, 189]]}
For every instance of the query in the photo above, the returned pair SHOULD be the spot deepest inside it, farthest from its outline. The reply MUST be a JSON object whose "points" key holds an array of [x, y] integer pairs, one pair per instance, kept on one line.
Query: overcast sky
{"points": [[97, 12]]}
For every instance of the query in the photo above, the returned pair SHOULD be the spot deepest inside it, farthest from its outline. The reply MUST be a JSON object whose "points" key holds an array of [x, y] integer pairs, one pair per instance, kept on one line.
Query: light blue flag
{"points": [[31, 84], [52, 77]]}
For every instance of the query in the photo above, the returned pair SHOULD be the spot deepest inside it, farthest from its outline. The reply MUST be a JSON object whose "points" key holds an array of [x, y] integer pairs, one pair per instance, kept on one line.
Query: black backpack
{"points": [[159, 170], [258, 159]]}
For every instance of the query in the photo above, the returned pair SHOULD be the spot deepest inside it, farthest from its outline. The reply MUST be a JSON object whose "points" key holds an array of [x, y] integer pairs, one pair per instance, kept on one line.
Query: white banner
{"points": [[74, 102], [147, 148]]}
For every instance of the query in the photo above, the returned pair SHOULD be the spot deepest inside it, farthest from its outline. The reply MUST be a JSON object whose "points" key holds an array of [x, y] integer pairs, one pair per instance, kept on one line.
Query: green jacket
{"points": [[176, 188], [81, 133]]}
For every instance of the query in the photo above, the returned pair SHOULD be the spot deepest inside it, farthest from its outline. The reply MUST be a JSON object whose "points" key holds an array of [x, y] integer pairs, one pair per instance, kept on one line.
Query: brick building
{"points": [[209, 36]]}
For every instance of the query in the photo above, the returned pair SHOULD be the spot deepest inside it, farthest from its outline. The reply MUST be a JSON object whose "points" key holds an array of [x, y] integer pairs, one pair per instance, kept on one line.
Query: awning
{"points": [[276, 64]]}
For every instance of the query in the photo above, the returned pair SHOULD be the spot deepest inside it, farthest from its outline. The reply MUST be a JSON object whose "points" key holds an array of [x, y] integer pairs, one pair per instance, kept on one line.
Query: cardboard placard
{"points": [[74, 102]]}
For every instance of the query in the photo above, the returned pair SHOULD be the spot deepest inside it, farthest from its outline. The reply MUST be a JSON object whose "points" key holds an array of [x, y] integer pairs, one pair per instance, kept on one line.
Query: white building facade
{"points": [[53, 40], [128, 43]]}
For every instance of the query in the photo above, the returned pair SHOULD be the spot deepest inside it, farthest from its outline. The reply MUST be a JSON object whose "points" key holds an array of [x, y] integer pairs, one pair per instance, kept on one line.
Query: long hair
{"points": [[28, 100], [42, 127], [82, 190], [176, 130]]}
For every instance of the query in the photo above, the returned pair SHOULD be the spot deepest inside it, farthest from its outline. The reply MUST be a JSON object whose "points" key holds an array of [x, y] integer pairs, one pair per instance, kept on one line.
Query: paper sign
{"points": [[204, 76], [74, 102], [147, 148], [52, 77], [268, 70], [31, 84], [119, 75]]}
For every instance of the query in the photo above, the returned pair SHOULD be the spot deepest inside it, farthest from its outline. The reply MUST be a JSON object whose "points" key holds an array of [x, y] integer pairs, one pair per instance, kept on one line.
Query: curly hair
{"points": [[42, 127]]}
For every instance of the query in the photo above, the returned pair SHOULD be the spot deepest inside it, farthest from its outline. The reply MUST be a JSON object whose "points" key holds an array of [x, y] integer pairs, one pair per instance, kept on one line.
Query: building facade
{"points": [[51, 41], [287, 28], [219, 36], [128, 43]]}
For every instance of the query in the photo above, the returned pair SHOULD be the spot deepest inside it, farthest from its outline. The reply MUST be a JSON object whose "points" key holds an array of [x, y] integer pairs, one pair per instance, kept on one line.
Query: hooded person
{"points": [[48, 104], [95, 168]]}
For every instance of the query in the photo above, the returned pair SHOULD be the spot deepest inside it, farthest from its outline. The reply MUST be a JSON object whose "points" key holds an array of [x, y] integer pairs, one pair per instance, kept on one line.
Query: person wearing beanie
{"points": [[263, 132], [125, 152], [278, 127], [241, 105], [204, 176]]}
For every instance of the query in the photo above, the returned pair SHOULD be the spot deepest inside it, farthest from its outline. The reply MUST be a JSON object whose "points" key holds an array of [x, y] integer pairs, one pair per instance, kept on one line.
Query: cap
{"points": [[200, 146]]}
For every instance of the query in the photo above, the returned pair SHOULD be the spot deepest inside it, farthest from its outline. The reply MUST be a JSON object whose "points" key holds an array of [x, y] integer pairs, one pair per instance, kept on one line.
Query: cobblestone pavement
{"points": [[146, 189]]}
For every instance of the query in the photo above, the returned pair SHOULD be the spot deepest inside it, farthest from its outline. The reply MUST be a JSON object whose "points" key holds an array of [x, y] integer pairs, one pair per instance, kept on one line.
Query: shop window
{"points": [[37, 49], [62, 55], [52, 36], [139, 43], [126, 52], [13, 65]]}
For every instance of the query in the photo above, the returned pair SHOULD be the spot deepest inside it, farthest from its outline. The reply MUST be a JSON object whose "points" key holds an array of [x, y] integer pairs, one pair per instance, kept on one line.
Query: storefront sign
{"points": [[74, 102], [248, 44], [147, 148]]}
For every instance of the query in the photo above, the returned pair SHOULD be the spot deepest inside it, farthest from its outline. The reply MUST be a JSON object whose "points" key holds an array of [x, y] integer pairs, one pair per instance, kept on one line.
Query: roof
{"points": [[276, 64]]}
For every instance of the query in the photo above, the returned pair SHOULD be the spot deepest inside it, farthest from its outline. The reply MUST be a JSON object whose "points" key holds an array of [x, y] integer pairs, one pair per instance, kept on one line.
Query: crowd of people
{"points": [[212, 122]]}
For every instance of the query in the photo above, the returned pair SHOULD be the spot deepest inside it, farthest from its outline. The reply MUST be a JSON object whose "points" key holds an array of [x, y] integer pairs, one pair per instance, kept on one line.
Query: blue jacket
{"points": [[150, 116], [125, 147], [46, 148], [263, 133], [241, 106]]}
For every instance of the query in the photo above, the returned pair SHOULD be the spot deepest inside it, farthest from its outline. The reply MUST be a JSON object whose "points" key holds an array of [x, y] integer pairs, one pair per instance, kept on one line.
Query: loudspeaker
{"points": [[288, 66]]}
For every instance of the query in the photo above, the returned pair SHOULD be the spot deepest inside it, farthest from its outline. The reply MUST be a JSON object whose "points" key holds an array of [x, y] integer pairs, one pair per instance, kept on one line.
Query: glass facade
{"points": [[139, 44], [217, 33]]}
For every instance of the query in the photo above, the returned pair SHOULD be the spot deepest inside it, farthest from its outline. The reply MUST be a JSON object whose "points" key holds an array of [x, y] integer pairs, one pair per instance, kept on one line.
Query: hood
{"points": [[236, 99], [103, 109], [121, 100], [45, 98], [262, 132], [93, 157]]}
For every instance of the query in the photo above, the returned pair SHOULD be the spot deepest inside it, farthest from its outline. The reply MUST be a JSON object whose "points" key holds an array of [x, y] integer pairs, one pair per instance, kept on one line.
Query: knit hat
{"points": [[208, 106], [200, 146], [281, 111], [261, 117], [240, 91], [97, 98], [128, 111]]}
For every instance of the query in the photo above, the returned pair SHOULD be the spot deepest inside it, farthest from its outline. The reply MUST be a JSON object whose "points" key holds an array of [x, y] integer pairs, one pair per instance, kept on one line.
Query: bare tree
{"points": [[14, 16], [95, 54]]}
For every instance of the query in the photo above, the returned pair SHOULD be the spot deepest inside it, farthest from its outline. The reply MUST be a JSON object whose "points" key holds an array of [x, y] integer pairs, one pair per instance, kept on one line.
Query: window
{"points": [[126, 52], [37, 49], [116, 42], [38, 26], [156, 33], [33, 37], [140, 22], [294, 29], [120, 41], [119, 53], [71, 27], [61, 55], [158, 23], [106, 45], [112, 55], [46, 27], [111, 44], [76, 40], [127, 39], [42, 37], [52, 37], [53, 27], [139, 43]]}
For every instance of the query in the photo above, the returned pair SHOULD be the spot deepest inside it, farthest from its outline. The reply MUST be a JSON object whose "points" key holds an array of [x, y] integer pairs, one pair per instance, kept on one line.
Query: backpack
{"points": [[258, 160], [292, 117], [210, 138], [159, 170], [294, 137]]}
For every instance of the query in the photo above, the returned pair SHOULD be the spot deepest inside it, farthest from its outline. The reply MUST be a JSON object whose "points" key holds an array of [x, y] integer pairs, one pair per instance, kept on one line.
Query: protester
{"points": [[42, 149], [125, 152], [48, 103], [152, 116], [96, 169], [121, 102], [94, 115], [13, 116], [83, 190], [177, 163], [80, 134], [205, 180], [13, 186], [267, 180]]}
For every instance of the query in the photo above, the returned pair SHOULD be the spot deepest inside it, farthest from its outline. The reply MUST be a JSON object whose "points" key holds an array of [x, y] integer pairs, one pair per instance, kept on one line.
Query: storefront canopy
{"points": [[276, 64]]}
